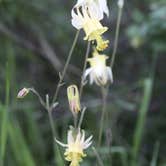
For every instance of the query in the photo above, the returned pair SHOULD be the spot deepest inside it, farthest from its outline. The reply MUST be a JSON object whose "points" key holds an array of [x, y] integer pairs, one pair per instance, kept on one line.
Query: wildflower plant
{"points": [[86, 15]]}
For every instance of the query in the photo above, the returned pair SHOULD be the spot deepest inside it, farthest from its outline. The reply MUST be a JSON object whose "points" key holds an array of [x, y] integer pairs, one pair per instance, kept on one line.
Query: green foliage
{"points": [[33, 31]]}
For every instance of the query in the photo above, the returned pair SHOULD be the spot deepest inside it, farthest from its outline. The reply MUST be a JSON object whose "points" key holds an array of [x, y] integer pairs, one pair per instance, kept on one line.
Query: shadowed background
{"points": [[35, 38]]}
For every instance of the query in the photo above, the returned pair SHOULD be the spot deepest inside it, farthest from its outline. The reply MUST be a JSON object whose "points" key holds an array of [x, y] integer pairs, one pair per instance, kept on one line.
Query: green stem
{"points": [[4, 123], [155, 154], [65, 67], [116, 37], [97, 156], [54, 133], [84, 68], [104, 97], [148, 84], [39, 97], [105, 90], [81, 117]]}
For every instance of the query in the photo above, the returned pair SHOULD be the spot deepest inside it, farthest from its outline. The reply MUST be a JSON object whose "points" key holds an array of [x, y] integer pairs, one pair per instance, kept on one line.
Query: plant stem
{"points": [[104, 97], [148, 87], [84, 68], [4, 123], [97, 156], [53, 129], [65, 67], [155, 154], [81, 117], [105, 90], [148, 84], [116, 37], [39, 97]]}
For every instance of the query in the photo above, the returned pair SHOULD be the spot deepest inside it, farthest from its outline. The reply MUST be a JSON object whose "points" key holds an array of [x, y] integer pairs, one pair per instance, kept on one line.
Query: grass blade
{"points": [[155, 154], [19, 147], [141, 119], [4, 123]]}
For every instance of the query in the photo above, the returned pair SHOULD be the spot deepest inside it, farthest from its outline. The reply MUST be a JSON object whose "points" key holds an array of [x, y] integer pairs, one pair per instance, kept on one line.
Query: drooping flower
{"points": [[96, 7], [74, 99], [82, 18], [76, 144], [98, 71]]}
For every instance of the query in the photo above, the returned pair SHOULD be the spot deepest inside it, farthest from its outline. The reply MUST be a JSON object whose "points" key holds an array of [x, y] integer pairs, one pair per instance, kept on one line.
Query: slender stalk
{"points": [[75, 120], [105, 90], [39, 97], [65, 67], [81, 117], [116, 37], [53, 129], [104, 97], [148, 85], [155, 154], [4, 123], [97, 156], [84, 68]]}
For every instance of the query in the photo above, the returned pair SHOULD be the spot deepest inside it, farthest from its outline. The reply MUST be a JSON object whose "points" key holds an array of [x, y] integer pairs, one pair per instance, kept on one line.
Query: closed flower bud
{"points": [[74, 99], [22, 93]]}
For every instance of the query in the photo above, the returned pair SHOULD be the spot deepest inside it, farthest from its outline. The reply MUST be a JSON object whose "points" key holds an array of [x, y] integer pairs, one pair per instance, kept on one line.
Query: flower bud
{"points": [[74, 99], [22, 93]]}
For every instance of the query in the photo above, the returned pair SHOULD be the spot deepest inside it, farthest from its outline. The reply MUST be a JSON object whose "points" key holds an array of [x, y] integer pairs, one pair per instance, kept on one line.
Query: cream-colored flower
{"points": [[98, 71], [76, 144], [95, 7], [93, 29], [73, 99]]}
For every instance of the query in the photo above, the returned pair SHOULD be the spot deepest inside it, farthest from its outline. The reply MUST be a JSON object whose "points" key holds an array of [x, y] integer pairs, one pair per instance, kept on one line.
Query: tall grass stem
{"points": [[155, 154], [4, 123], [148, 84]]}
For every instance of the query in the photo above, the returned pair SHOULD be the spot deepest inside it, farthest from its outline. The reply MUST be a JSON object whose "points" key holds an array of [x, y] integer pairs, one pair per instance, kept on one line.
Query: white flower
{"points": [[95, 7], [91, 26], [98, 72], [76, 143]]}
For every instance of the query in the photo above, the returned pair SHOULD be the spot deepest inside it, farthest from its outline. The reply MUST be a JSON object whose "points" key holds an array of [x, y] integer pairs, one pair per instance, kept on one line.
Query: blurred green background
{"points": [[35, 38]]}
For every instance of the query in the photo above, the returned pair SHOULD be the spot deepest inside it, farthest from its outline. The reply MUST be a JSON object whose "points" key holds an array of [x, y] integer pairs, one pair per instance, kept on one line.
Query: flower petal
{"points": [[60, 143], [110, 75]]}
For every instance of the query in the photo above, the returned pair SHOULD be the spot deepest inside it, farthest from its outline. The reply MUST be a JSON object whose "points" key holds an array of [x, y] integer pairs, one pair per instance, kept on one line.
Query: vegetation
{"points": [[35, 41]]}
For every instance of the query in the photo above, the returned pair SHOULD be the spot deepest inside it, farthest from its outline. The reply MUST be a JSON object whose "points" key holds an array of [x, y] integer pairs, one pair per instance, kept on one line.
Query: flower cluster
{"points": [[86, 15]]}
